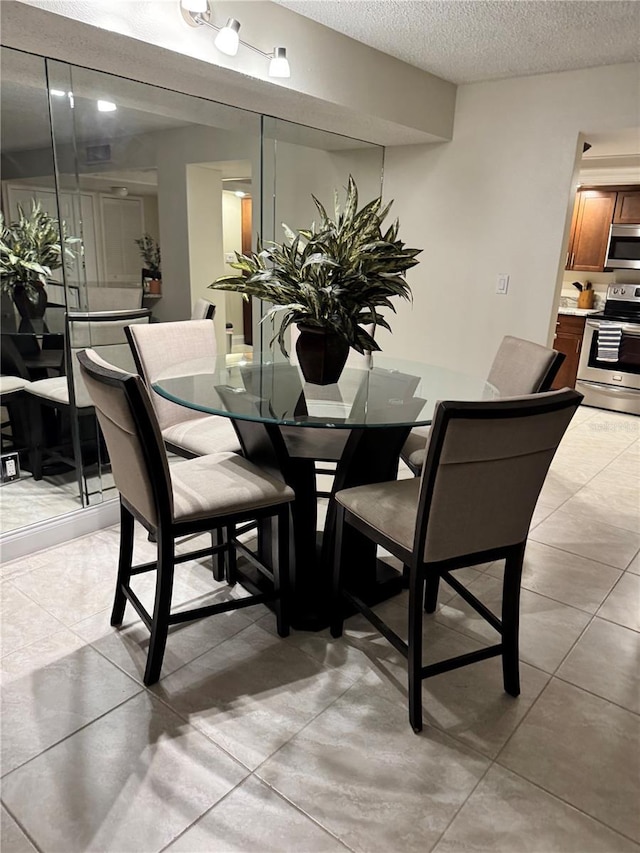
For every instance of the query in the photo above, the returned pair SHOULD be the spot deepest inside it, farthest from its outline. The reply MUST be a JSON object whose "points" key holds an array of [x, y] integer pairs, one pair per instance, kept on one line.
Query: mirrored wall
{"points": [[144, 195]]}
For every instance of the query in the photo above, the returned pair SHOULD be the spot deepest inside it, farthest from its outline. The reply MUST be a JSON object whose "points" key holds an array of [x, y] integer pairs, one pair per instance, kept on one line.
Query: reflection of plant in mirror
{"points": [[30, 250], [333, 276], [150, 252]]}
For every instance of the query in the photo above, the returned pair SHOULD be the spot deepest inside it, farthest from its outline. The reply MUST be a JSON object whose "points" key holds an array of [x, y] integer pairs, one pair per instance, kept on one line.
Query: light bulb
{"points": [[227, 40], [106, 107], [279, 65], [195, 6]]}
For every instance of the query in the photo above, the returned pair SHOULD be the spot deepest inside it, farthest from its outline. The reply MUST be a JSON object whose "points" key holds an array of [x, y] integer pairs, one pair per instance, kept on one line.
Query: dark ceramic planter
{"points": [[27, 309], [322, 354]]}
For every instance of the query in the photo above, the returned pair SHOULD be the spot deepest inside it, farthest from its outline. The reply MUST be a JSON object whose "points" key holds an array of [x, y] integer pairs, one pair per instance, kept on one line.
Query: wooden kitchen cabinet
{"points": [[627, 210], [592, 218], [568, 339]]}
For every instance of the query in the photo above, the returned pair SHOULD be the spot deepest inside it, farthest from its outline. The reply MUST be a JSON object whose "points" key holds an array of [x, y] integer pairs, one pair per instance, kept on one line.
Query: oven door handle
{"points": [[632, 329]]}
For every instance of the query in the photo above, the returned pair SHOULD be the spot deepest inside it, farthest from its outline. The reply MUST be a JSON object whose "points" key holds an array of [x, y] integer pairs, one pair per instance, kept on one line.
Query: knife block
{"points": [[585, 299]]}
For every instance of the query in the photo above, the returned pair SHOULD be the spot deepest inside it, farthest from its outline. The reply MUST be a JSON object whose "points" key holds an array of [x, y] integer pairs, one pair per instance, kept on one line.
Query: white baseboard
{"points": [[55, 531]]}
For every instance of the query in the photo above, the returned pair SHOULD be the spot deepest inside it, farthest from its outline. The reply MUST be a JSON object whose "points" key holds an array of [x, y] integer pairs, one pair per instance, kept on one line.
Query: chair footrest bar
{"points": [[472, 601], [144, 567], [201, 552], [396, 641], [461, 660], [222, 607], [139, 607], [245, 528], [251, 557]]}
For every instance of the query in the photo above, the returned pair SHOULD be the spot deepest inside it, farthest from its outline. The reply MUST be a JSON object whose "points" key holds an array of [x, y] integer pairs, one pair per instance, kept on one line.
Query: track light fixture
{"points": [[197, 13]]}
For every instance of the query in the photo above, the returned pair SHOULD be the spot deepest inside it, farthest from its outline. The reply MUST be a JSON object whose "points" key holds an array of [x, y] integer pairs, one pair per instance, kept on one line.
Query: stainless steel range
{"points": [[609, 366]]}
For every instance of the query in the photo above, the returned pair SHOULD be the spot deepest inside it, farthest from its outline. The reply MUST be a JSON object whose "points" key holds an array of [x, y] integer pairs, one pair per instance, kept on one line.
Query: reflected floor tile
{"points": [[22, 621], [605, 661], [252, 693], [541, 512], [597, 541], [634, 565], [253, 817], [548, 629], [52, 688], [565, 577], [133, 780], [583, 749], [623, 603], [591, 504], [360, 771], [12, 838], [505, 814]]}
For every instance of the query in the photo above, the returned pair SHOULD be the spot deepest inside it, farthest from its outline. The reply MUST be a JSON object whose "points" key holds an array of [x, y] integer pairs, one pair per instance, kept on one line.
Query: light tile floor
{"points": [[250, 742]]}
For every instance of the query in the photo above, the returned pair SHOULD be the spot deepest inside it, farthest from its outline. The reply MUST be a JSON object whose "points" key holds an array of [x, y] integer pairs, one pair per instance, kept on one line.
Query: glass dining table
{"points": [[286, 426]]}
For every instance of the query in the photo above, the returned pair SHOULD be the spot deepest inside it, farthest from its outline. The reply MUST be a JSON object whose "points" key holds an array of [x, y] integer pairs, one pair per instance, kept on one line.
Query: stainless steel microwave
{"points": [[623, 251]]}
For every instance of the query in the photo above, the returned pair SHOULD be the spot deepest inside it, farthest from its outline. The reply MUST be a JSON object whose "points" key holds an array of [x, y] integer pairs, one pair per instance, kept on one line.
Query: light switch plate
{"points": [[229, 257], [502, 285]]}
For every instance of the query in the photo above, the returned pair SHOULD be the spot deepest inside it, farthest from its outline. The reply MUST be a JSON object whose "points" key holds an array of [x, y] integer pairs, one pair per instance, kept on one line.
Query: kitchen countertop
{"points": [[578, 312]]}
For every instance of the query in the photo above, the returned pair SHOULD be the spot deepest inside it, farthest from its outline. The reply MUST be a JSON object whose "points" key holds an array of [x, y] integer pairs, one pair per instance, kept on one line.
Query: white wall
{"points": [[497, 199]]}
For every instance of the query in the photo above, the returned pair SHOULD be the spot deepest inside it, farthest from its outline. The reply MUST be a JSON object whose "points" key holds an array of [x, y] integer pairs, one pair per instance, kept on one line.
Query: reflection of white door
{"points": [[76, 212], [122, 224]]}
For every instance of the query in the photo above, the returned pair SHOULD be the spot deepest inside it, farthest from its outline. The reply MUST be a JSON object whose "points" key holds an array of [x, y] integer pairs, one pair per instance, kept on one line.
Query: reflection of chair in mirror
{"points": [[105, 332], [519, 367], [485, 466], [194, 496], [157, 349], [203, 310], [109, 298]]}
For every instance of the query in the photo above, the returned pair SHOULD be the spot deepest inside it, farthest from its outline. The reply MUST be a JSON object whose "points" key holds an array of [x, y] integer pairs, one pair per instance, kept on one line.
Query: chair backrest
{"points": [[13, 363], [106, 298], [203, 310], [485, 465], [523, 367], [138, 461], [160, 347], [104, 332]]}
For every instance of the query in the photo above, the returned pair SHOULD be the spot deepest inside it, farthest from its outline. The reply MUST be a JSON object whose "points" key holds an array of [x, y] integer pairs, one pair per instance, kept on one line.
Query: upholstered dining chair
{"points": [[203, 310], [485, 465], [519, 367], [156, 349], [193, 496], [105, 332]]}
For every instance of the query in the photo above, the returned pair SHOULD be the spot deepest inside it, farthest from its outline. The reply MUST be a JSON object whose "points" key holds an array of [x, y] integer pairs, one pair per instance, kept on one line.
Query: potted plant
{"points": [[330, 280], [151, 274], [30, 249]]}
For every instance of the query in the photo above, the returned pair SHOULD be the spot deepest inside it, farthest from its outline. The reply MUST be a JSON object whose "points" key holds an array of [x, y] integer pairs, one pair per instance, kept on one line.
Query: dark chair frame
{"points": [[167, 531], [424, 578]]}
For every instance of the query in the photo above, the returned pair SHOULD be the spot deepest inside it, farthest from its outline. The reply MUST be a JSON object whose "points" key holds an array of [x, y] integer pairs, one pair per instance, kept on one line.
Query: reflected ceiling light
{"points": [[197, 13], [240, 193], [227, 41], [122, 192], [106, 107], [58, 93]]}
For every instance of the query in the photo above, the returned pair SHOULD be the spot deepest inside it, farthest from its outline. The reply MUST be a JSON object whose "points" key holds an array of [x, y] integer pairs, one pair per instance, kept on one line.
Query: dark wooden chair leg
{"points": [[281, 572], [232, 560], [337, 605], [161, 608], [511, 620], [432, 586], [35, 419], [414, 657], [124, 564], [217, 538]]}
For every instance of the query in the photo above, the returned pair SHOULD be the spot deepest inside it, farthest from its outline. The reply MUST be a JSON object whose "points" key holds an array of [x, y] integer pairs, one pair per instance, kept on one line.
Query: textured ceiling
{"points": [[467, 41]]}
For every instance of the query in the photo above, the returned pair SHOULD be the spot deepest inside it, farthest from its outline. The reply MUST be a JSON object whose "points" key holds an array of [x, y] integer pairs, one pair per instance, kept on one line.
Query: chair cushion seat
{"points": [[12, 384], [222, 484], [56, 389], [389, 507], [203, 436], [413, 448]]}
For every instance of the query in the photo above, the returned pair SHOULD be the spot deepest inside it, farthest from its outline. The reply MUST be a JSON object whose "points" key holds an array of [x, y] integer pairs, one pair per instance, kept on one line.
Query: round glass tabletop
{"points": [[393, 392]]}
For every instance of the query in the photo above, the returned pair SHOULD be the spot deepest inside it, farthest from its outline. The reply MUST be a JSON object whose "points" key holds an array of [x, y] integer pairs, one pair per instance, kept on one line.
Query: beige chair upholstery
{"points": [[203, 310], [157, 349], [113, 298], [519, 367], [194, 496], [485, 466], [105, 333]]}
